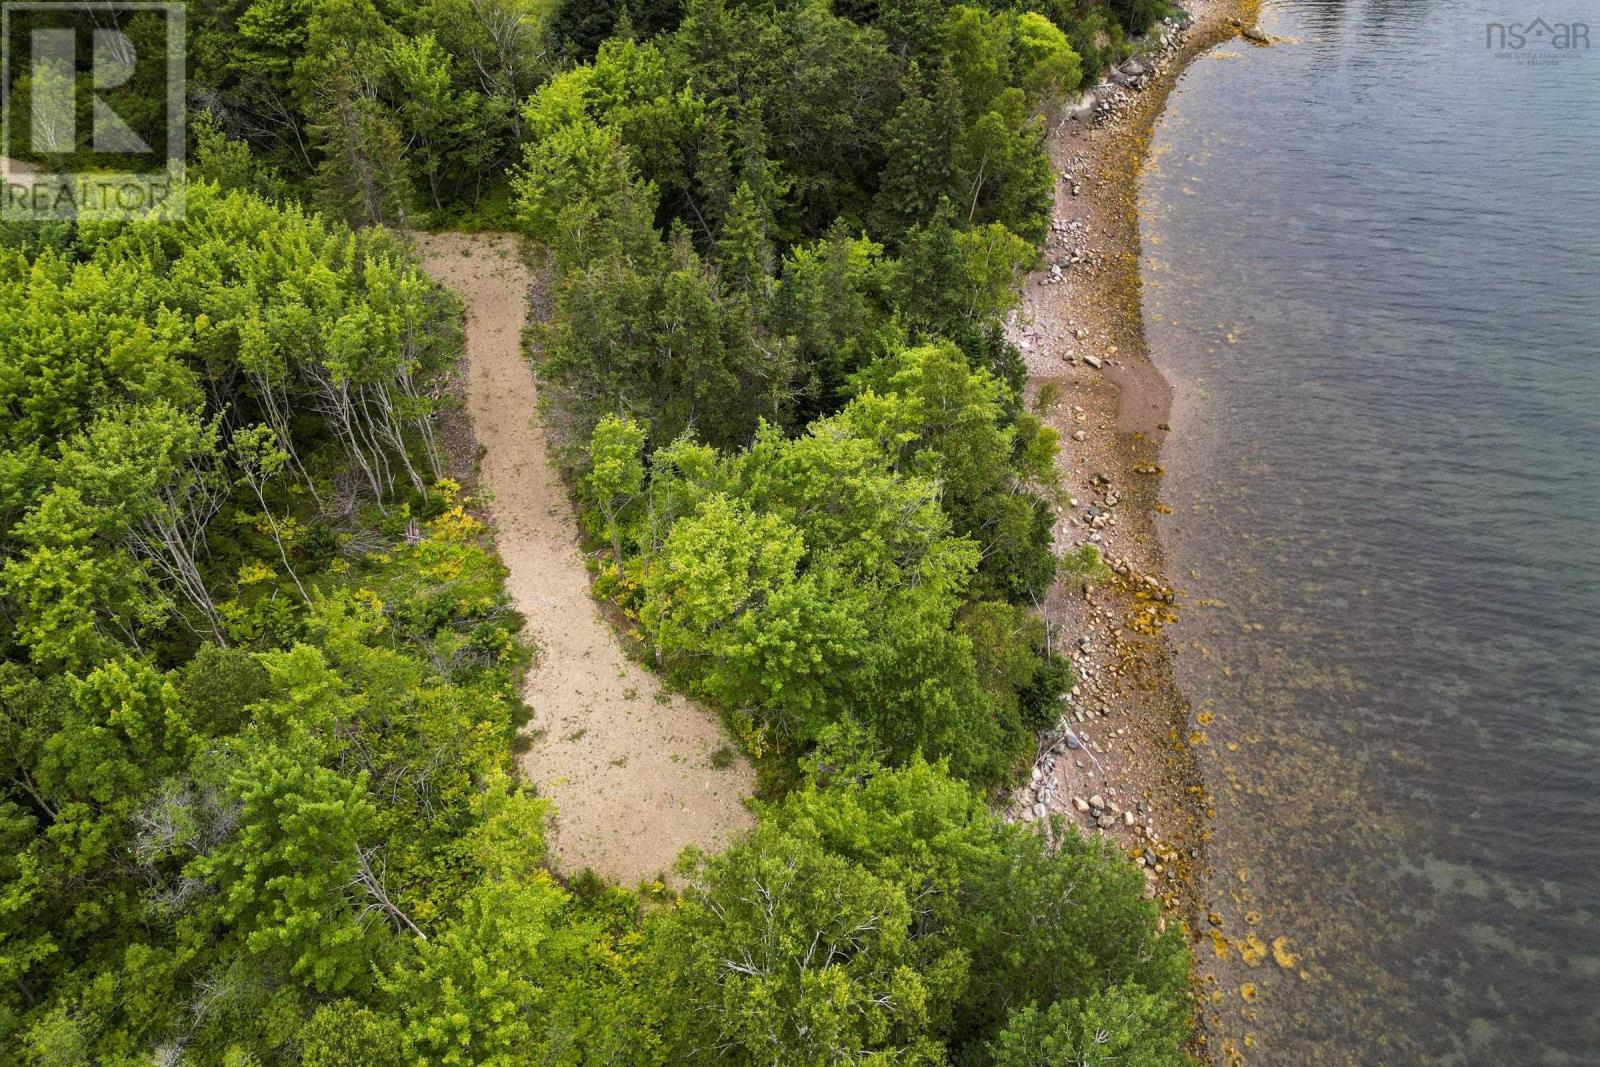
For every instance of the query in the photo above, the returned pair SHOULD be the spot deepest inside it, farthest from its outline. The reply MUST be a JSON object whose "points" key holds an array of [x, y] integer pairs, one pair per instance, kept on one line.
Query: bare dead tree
{"points": [[171, 535], [260, 456], [369, 883]]}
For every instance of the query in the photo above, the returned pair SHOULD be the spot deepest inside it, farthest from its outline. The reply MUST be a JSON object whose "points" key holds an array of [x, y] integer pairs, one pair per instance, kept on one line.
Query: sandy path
{"points": [[627, 762]]}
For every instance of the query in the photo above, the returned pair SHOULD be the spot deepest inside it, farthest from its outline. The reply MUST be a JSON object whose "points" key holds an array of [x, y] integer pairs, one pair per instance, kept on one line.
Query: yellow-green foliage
{"points": [[820, 579], [254, 762], [259, 675], [892, 913]]}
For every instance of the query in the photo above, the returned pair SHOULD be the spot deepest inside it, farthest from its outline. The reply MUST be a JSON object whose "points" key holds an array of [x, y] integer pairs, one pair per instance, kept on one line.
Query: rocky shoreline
{"points": [[1120, 762]]}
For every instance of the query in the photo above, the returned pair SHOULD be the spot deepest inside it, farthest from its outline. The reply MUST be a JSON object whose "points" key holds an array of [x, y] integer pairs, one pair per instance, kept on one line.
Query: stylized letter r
{"points": [[53, 91], [113, 65]]}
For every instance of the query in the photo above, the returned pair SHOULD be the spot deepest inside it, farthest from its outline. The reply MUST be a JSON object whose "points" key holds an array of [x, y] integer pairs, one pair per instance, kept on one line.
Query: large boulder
{"points": [[1082, 110]]}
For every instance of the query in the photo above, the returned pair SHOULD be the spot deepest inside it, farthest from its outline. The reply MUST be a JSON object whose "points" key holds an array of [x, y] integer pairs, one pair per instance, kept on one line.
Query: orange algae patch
{"points": [[1219, 944]]}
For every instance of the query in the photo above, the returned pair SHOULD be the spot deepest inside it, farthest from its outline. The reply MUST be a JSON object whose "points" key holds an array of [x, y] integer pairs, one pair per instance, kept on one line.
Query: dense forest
{"points": [[259, 675]]}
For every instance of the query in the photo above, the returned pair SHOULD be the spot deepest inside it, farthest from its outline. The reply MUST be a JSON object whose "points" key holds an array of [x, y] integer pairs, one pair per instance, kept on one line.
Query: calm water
{"points": [[1373, 270]]}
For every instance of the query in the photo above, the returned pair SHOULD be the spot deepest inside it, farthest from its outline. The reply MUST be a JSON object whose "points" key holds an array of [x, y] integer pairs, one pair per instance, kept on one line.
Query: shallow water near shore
{"points": [[1372, 274]]}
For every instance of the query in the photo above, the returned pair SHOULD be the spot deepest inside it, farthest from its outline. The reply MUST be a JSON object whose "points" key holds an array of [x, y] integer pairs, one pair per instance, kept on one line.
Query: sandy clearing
{"points": [[18, 173], [627, 762]]}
